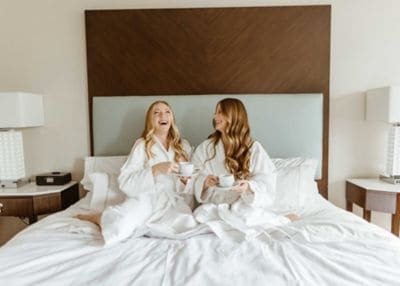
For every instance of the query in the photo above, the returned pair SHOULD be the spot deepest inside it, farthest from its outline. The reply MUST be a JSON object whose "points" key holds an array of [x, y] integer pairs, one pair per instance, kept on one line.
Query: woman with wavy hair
{"points": [[156, 152], [230, 150], [157, 202]]}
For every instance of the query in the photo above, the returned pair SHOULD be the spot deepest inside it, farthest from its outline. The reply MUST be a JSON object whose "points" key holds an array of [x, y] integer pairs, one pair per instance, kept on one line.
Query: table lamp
{"points": [[383, 104], [17, 110]]}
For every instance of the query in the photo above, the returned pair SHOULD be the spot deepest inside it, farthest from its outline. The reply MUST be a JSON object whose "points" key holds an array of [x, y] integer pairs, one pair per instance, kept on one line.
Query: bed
{"points": [[328, 246]]}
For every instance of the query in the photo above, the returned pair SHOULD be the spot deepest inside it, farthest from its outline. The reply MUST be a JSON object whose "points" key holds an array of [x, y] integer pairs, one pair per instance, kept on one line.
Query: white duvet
{"points": [[329, 246]]}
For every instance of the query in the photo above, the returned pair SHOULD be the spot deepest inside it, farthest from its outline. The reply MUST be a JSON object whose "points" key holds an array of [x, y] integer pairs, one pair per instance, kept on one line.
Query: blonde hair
{"points": [[237, 141], [174, 139]]}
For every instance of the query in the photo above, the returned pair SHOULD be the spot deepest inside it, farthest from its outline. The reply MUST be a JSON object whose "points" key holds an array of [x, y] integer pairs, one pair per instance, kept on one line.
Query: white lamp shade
{"points": [[20, 109], [383, 104], [12, 165]]}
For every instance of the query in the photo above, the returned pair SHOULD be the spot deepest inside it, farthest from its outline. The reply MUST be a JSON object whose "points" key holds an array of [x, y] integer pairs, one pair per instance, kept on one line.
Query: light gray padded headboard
{"points": [[287, 125]]}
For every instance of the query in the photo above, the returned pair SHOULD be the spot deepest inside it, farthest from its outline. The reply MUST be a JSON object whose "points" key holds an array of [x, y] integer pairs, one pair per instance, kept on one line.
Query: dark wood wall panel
{"points": [[211, 50]]}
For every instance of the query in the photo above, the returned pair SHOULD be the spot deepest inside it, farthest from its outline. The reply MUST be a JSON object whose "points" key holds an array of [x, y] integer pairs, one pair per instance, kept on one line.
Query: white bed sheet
{"points": [[329, 246]]}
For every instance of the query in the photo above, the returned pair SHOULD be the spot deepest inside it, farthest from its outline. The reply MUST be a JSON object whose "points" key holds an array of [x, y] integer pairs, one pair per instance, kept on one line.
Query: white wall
{"points": [[42, 49]]}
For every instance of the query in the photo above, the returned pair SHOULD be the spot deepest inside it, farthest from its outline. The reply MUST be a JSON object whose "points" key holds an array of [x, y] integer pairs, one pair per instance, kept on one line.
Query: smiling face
{"points": [[161, 118], [220, 120]]}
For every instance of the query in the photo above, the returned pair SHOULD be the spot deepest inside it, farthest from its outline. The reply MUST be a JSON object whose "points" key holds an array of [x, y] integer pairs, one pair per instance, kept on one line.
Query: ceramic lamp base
{"points": [[390, 179]]}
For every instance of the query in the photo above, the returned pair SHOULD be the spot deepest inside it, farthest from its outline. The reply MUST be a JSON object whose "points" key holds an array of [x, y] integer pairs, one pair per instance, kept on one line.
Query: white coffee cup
{"points": [[186, 168], [226, 180]]}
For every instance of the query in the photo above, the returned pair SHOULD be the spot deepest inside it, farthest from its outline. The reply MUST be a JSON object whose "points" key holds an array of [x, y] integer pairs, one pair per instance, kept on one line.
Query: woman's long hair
{"points": [[174, 139], [237, 141]]}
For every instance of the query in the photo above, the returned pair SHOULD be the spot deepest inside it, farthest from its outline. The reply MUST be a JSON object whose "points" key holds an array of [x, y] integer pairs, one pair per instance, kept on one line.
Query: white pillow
{"points": [[295, 183], [102, 164], [105, 191]]}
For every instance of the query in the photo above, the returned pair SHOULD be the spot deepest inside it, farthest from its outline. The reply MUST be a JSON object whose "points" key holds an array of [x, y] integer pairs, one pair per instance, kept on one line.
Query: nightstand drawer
{"points": [[16, 206], [47, 204], [381, 201]]}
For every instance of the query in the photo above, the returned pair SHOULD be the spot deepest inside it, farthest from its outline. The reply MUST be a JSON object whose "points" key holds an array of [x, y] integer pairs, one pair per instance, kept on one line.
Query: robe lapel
{"points": [[169, 154]]}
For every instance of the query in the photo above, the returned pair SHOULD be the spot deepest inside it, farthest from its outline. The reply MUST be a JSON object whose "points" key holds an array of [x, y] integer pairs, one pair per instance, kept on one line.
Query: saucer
{"points": [[221, 188]]}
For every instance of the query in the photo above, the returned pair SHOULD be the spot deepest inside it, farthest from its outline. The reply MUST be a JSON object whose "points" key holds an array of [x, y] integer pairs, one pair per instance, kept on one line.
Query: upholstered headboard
{"points": [[287, 125], [212, 52]]}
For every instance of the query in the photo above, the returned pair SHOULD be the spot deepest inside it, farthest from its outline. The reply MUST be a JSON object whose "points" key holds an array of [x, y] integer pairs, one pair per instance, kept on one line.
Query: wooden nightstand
{"points": [[374, 195], [31, 200]]}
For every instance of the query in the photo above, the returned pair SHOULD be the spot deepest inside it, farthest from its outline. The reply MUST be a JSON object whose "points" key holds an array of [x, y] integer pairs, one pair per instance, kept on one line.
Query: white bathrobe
{"points": [[157, 206], [224, 211]]}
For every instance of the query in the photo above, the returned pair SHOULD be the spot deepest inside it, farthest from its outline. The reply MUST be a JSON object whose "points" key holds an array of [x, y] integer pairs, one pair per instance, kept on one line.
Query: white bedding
{"points": [[329, 246]]}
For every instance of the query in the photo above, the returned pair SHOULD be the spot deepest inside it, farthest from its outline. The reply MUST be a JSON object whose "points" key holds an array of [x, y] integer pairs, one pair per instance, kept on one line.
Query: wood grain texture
{"points": [[69, 196], [396, 217], [355, 194], [12, 206], [211, 51]]}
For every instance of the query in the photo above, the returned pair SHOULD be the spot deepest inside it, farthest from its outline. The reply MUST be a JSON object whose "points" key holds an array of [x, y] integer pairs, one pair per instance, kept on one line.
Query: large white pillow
{"points": [[105, 191], [101, 164], [295, 183]]}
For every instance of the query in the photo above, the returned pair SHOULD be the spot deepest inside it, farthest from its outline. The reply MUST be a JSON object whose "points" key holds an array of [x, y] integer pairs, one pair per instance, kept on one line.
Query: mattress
{"points": [[328, 246]]}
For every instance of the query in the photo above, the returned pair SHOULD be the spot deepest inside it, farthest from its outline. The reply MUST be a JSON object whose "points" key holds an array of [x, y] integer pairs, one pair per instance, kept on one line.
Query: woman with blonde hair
{"points": [[230, 150], [158, 202]]}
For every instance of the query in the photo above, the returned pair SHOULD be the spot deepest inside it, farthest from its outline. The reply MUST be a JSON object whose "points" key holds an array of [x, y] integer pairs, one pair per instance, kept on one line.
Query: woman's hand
{"points": [[164, 168], [184, 180], [210, 181], [242, 187]]}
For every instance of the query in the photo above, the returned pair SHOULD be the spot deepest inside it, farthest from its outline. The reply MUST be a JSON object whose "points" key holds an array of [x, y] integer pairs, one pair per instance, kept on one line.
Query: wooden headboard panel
{"points": [[211, 51]]}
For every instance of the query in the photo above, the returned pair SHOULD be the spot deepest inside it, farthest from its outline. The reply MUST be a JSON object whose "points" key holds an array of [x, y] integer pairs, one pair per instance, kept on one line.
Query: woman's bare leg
{"points": [[93, 218], [292, 217]]}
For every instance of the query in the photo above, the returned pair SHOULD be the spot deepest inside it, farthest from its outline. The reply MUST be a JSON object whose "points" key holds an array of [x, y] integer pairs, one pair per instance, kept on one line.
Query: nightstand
{"points": [[31, 200], [374, 195]]}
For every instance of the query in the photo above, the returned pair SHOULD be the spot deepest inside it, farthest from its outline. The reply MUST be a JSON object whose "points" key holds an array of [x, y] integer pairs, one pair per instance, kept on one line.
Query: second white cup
{"points": [[186, 168], [226, 180]]}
